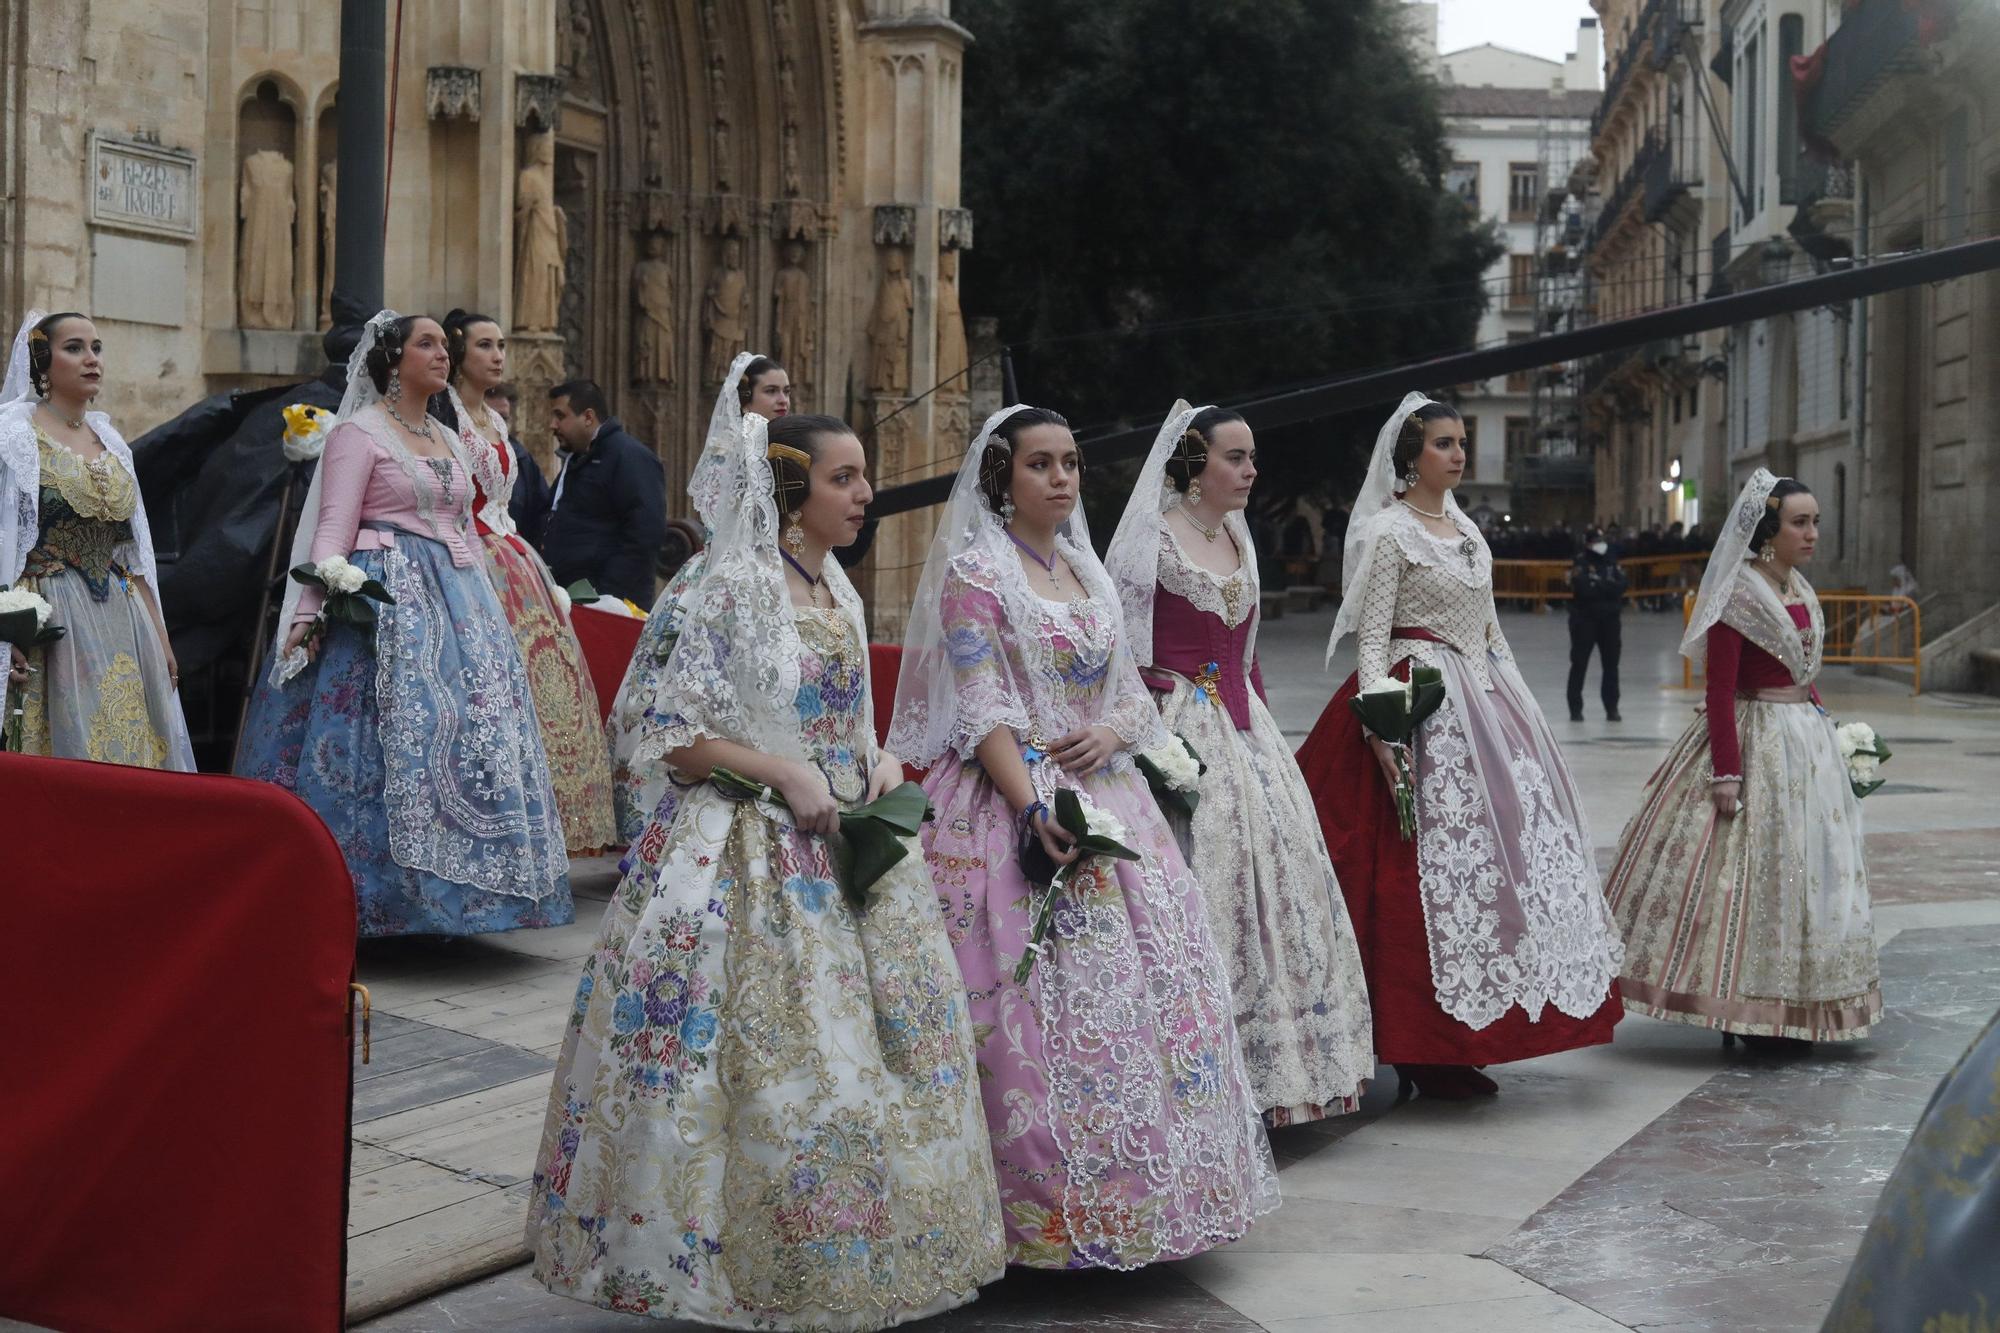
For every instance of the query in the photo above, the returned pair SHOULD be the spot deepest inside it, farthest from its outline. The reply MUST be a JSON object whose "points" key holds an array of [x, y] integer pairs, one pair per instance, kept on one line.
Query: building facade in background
{"points": [[636, 189], [1514, 123]]}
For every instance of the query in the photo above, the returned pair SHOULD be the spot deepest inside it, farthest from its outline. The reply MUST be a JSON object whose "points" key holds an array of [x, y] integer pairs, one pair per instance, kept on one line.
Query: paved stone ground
{"points": [[1657, 1183]]}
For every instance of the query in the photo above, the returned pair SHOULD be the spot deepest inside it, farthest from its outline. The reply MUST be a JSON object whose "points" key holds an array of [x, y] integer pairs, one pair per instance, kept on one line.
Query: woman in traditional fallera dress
{"points": [[1124, 1129], [1739, 884], [1486, 938], [565, 699], [415, 739], [754, 384], [73, 531], [1186, 573], [765, 1114]]}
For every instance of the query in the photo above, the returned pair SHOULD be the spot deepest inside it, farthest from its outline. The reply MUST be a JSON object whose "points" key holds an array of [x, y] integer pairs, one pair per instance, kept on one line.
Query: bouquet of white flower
{"points": [[1097, 832], [24, 623], [348, 591], [1173, 770], [1863, 752], [1392, 711]]}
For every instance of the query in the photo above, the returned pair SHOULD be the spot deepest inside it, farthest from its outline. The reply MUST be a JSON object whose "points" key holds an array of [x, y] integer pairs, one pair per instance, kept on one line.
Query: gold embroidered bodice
{"points": [[85, 513]]}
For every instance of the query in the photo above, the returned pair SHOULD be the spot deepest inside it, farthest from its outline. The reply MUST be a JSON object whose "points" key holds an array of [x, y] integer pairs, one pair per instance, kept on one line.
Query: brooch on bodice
{"points": [[1209, 681], [1470, 550]]}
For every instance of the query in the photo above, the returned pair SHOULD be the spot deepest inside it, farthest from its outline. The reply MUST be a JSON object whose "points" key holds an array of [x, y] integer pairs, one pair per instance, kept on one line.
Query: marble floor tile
{"points": [[1544, 1312], [1273, 1287]]}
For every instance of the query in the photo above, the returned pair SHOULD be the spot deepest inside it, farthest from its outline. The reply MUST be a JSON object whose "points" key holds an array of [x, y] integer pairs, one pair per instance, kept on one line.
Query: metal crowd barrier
{"points": [[1861, 629], [1646, 577]]}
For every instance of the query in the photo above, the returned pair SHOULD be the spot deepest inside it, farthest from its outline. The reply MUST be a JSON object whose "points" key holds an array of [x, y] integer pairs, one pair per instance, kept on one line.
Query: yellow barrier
{"points": [[1537, 581], [1861, 629]]}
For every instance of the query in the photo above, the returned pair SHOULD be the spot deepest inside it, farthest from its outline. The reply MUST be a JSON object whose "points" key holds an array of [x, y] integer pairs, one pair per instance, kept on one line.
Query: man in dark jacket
{"points": [[1597, 598], [608, 506]]}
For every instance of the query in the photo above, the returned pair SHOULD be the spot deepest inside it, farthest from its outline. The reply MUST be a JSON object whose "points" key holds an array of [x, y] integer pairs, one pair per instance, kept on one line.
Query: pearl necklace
{"points": [[1413, 509], [1466, 546], [1208, 534]]}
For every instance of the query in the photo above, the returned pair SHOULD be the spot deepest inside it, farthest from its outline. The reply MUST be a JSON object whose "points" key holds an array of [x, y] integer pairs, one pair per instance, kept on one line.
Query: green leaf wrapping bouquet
{"points": [[1097, 833], [871, 836], [1392, 711], [1173, 770]]}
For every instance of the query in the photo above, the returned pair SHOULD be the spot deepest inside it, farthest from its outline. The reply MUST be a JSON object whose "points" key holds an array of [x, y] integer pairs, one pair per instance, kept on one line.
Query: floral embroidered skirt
{"points": [[102, 691], [1410, 916], [765, 1114], [1124, 1128], [565, 699], [1759, 924], [417, 744], [1276, 914]]}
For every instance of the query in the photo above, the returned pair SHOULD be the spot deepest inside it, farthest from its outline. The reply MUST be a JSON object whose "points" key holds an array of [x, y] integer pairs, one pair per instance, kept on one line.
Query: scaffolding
{"points": [[1551, 480]]}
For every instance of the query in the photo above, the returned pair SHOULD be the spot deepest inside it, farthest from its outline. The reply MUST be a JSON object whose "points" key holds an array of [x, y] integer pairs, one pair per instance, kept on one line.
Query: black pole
{"points": [[1010, 388], [364, 137], [1386, 386]]}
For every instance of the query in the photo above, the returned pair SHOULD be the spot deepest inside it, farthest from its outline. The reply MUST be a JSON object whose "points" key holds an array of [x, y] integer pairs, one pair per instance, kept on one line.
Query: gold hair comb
{"points": [[787, 452]]}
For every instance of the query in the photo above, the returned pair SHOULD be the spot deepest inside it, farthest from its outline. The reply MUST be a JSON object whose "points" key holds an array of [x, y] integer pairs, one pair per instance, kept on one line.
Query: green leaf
{"points": [[373, 588], [582, 592], [305, 574]]}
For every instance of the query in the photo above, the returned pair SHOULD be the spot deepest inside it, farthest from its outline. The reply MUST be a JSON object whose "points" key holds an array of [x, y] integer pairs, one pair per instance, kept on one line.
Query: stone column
{"points": [[908, 142]]}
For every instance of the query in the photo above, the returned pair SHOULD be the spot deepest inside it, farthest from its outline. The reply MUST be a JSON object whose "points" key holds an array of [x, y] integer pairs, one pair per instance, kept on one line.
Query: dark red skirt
{"points": [[1378, 877]]}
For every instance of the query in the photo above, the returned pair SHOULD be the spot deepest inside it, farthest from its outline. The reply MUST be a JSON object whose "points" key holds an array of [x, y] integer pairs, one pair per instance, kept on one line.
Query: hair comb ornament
{"points": [[789, 454]]}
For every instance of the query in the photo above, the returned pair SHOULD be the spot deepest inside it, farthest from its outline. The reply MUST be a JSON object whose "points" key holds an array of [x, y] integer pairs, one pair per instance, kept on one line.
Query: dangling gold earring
{"points": [[795, 536], [1769, 553], [1194, 490]]}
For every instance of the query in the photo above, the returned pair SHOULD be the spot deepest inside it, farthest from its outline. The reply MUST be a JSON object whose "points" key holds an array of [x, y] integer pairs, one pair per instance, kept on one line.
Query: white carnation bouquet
{"points": [[1863, 752], [1173, 769], [1097, 832], [1393, 710], [349, 593]]}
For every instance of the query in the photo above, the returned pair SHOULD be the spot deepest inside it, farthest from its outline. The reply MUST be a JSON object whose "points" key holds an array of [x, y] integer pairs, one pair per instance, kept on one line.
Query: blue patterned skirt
{"points": [[422, 753]]}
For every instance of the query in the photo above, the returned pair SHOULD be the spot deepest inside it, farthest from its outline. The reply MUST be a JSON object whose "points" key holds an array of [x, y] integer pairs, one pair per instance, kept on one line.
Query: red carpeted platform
{"points": [[607, 641], [173, 1118]]}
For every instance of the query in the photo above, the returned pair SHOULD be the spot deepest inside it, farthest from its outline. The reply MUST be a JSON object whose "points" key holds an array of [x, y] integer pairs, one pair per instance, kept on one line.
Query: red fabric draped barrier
{"points": [[607, 640], [173, 1120]]}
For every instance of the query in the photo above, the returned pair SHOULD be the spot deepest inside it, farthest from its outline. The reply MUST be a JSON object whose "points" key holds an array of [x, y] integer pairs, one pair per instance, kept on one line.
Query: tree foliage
{"points": [[1210, 199]]}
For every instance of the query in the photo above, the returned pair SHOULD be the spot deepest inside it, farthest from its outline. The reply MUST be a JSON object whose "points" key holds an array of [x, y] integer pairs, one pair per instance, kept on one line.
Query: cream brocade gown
{"points": [[766, 1113], [103, 691]]}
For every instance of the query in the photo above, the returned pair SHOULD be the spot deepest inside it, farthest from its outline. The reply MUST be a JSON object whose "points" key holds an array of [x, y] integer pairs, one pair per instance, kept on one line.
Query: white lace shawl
{"points": [[734, 671], [21, 495], [978, 653]]}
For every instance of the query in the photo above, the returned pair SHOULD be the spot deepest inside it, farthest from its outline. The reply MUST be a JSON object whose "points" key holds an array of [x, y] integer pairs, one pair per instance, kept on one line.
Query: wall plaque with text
{"points": [[142, 187]]}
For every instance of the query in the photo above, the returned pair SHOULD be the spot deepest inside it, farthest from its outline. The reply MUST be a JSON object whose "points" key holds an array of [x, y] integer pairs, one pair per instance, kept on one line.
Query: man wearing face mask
{"points": [[1597, 598]]}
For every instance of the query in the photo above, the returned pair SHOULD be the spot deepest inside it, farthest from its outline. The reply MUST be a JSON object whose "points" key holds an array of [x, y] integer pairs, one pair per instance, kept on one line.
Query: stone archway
{"points": [[699, 154]]}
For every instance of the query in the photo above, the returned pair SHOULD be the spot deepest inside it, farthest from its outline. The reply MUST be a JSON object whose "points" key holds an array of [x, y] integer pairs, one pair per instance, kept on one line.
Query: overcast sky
{"points": [[1544, 28]]}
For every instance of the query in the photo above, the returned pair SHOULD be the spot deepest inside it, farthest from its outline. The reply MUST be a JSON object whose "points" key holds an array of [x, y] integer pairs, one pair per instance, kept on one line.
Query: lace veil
{"points": [[710, 478], [21, 471], [1734, 594], [734, 671], [1372, 506], [963, 677], [496, 480], [1133, 560]]}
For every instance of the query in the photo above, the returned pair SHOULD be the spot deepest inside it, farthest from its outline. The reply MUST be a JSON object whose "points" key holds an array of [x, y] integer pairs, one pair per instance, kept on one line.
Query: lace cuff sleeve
{"points": [[1378, 611], [984, 683]]}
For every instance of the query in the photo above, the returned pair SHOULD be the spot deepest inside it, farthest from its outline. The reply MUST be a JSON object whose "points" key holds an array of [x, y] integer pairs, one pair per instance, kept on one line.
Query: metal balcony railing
{"points": [[1667, 180], [1875, 42], [1627, 61]]}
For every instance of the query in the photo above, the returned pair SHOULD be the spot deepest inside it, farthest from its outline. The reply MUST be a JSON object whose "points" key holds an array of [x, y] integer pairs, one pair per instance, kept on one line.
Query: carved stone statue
{"points": [[792, 316], [653, 330], [952, 358], [541, 236], [329, 200], [725, 313], [889, 328], [264, 298]]}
